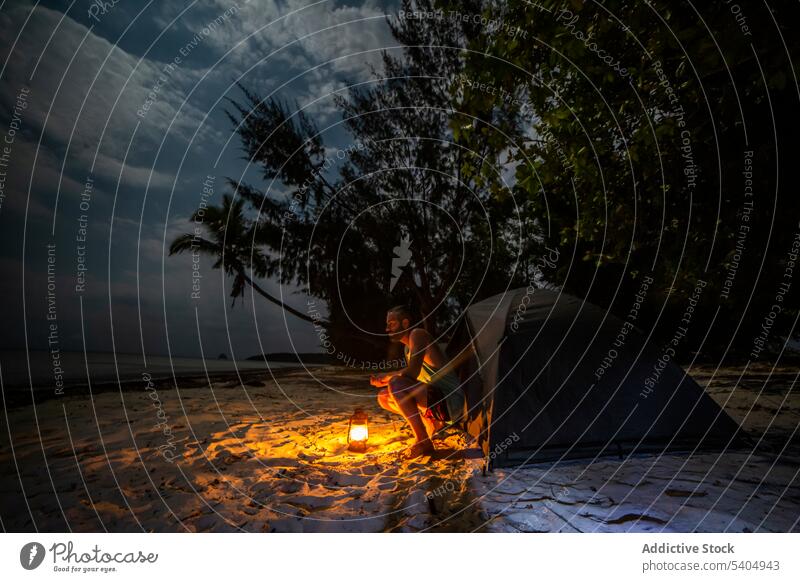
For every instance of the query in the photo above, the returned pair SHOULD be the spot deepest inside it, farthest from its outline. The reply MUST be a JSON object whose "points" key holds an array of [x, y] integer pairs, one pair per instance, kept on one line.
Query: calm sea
{"points": [[104, 367]]}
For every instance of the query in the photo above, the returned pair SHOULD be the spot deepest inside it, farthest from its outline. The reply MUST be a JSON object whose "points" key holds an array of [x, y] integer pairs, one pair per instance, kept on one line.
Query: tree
{"points": [[231, 235], [635, 153], [330, 222]]}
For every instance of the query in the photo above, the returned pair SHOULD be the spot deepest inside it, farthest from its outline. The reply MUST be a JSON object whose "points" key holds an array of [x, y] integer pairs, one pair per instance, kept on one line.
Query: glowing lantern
{"points": [[357, 432]]}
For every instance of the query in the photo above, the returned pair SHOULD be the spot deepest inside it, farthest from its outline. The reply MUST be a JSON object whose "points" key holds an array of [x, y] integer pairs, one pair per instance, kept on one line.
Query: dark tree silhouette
{"points": [[636, 159], [330, 221]]}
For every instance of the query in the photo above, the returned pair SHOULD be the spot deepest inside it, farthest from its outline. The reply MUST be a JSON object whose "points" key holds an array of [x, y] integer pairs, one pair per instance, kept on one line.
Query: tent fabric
{"points": [[549, 377]]}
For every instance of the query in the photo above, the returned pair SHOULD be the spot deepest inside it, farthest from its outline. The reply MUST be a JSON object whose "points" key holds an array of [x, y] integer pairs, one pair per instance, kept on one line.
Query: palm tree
{"points": [[231, 243]]}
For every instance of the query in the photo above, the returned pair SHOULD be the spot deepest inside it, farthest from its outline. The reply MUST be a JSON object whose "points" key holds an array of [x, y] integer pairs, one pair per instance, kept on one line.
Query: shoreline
{"points": [[15, 397]]}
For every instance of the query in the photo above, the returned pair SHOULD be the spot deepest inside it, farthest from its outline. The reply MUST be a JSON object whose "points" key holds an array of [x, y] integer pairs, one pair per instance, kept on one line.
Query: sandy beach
{"points": [[271, 456]]}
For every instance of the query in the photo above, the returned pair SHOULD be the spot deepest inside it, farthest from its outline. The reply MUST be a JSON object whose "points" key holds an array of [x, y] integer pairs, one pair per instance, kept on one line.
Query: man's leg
{"points": [[406, 395], [387, 402]]}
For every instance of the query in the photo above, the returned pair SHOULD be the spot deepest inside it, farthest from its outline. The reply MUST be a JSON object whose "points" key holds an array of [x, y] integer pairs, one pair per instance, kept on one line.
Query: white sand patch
{"points": [[282, 464], [709, 492]]}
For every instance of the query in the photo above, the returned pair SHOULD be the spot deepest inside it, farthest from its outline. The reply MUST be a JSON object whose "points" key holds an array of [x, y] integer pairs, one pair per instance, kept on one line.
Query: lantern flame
{"points": [[358, 432]]}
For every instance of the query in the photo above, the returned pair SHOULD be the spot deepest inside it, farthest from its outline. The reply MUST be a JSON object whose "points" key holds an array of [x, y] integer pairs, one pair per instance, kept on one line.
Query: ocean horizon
{"points": [[42, 369]]}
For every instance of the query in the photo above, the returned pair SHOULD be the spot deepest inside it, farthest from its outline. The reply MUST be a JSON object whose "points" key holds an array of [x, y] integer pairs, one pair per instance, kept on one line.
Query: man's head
{"points": [[398, 323]]}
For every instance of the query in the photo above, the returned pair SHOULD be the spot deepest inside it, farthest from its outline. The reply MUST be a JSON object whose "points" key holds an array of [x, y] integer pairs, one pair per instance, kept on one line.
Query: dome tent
{"points": [[548, 376]]}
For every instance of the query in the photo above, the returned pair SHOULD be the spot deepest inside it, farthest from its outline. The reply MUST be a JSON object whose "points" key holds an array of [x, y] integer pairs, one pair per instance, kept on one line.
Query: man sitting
{"points": [[426, 393]]}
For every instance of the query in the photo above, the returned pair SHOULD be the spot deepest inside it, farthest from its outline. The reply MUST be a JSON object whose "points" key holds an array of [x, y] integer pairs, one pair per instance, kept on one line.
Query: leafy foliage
{"points": [[633, 160], [329, 220], [616, 132]]}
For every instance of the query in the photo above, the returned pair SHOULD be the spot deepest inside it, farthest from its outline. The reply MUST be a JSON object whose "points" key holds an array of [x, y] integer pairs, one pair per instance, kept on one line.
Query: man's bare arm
{"points": [[418, 344]]}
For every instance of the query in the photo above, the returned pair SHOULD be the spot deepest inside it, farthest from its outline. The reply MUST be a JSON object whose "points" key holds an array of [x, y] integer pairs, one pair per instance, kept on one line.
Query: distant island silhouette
{"points": [[300, 358]]}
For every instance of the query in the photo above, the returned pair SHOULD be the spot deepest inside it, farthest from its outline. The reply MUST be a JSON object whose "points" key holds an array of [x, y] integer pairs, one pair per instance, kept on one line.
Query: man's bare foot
{"points": [[430, 425], [418, 449]]}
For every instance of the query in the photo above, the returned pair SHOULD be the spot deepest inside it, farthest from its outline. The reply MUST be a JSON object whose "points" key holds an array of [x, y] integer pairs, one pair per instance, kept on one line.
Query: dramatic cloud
{"points": [[144, 109], [86, 91]]}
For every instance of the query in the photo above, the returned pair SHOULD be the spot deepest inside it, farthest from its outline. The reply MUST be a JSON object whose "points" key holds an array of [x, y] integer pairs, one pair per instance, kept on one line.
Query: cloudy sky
{"points": [[77, 105]]}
